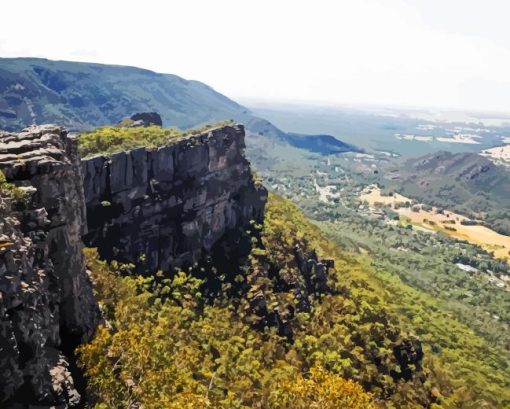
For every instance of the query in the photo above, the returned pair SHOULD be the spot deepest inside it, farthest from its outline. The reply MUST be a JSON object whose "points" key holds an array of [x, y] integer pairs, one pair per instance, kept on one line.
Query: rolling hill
{"points": [[464, 182]]}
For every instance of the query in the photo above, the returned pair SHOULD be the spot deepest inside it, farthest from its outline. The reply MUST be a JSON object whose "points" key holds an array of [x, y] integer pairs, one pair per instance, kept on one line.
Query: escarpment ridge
{"points": [[158, 208], [167, 207], [191, 202]]}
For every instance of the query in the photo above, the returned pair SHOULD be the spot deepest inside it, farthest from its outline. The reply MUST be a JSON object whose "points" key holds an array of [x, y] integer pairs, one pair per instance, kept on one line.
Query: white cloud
{"points": [[351, 51]]}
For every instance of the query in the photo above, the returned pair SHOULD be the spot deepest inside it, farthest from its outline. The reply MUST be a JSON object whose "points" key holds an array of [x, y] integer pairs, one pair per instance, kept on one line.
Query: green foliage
{"points": [[177, 352], [84, 96], [10, 190], [166, 344], [465, 365], [110, 139], [321, 389], [461, 317], [208, 127]]}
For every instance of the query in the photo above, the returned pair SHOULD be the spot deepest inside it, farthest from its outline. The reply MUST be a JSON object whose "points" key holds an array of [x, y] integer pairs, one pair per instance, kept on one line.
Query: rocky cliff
{"points": [[46, 302], [167, 207], [158, 208]]}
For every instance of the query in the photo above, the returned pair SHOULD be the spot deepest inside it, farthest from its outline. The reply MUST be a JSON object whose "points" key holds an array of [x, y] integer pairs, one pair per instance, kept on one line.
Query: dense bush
{"points": [[177, 352], [111, 139], [167, 344]]}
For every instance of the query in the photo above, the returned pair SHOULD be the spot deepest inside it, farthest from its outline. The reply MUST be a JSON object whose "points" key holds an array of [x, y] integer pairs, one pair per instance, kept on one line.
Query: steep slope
{"points": [[324, 144], [272, 314], [230, 351], [46, 303], [84, 95], [464, 182]]}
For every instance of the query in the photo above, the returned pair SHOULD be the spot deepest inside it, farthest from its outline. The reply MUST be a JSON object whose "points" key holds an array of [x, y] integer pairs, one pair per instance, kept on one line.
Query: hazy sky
{"points": [[444, 53]]}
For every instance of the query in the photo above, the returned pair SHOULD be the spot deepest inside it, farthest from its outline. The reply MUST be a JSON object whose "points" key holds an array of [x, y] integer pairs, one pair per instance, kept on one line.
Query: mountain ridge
{"points": [[82, 96]]}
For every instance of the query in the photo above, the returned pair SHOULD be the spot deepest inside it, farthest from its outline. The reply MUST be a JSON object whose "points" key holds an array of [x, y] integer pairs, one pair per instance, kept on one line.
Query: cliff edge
{"points": [[47, 305], [166, 207]]}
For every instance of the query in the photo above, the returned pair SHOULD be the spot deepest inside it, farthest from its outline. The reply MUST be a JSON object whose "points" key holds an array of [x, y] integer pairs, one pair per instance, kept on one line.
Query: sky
{"points": [[411, 53]]}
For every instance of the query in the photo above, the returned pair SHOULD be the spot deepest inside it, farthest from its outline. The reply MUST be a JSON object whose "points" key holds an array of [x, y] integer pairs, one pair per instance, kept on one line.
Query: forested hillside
{"points": [[82, 96], [352, 343]]}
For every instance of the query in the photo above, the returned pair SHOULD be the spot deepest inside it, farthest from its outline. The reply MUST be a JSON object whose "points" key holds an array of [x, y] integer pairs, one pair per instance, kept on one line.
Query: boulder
{"points": [[142, 120]]}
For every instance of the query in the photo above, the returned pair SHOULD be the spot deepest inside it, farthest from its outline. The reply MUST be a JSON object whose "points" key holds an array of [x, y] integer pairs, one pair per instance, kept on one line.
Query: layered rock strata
{"points": [[47, 305], [167, 207]]}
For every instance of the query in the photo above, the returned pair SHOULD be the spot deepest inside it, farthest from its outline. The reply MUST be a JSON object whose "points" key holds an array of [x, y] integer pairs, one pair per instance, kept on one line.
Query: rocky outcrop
{"points": [[409, 355], [167, 207], [301, 273], [141, 120], [46, 302], [147, 118]]}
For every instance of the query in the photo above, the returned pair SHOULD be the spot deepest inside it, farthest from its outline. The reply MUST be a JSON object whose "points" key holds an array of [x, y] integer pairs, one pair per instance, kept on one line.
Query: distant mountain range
{"points": [[81, 96]]}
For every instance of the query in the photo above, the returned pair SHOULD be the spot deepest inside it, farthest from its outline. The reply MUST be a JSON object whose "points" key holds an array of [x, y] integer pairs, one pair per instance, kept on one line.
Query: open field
{"points": [[447, 222], [499, 155], [374, 196]]}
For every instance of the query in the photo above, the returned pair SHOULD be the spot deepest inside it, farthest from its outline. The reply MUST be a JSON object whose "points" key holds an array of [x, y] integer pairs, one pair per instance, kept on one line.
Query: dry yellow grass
{"points": [[480, 235], [499, 153], [374, 196]]}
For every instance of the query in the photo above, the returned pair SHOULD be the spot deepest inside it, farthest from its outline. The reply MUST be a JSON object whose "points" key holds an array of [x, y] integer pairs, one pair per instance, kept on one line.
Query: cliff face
{"points": [[167, 207], [160, 208], [46, 302]]}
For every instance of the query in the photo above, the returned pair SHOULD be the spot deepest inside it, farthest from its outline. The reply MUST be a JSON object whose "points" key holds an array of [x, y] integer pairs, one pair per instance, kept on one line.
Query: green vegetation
{"points": [[168, 343], [391, 281], [465, 183], [10, 190], [83, 96], [177, 352], [111, 139], [461, 316], [208, 127], [468, 366]]}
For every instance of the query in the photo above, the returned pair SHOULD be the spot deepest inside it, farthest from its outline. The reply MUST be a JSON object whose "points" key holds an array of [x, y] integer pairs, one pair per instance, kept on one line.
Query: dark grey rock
{"points": [[147, 118], [141, 120], [46, 305], [169, 206]]}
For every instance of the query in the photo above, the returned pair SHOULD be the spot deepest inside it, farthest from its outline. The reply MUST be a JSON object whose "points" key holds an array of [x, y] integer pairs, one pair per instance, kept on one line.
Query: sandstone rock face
{"points": [[166, 207], [313, 276], [46, 301]]}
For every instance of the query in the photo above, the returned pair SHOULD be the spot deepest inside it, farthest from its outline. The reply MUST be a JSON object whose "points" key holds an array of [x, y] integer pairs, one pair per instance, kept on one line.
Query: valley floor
{"points": [[445, 221]]}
